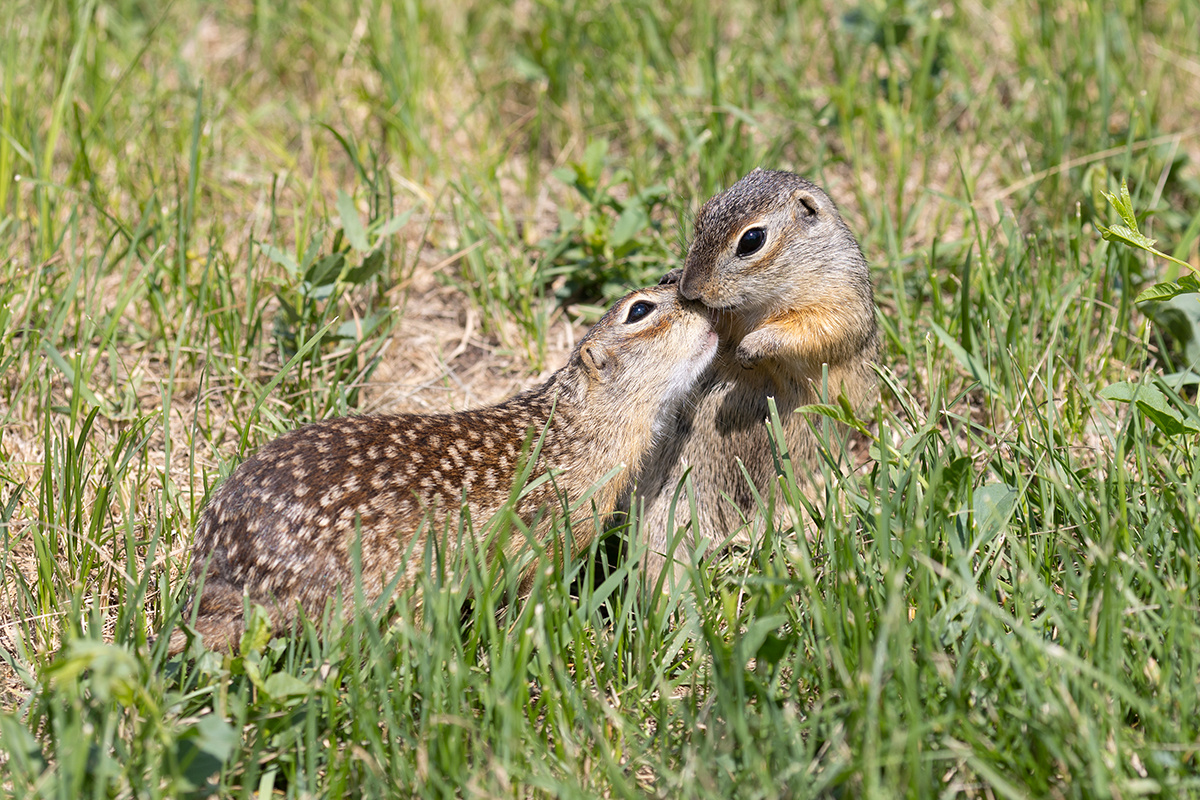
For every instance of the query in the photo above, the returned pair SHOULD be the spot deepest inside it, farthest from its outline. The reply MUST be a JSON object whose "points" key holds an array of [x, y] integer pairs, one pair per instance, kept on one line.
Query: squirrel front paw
{"points": [[671, 277], [754, 347], [747, 358]]}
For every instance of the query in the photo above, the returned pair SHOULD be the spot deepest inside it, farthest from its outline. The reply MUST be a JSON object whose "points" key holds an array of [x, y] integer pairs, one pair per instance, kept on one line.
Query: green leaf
{"points": [[204, 748], [1188, 284], [1181, 379], [1168, 419], [1162, 291], [1179, 318], [1129, 236], [282, 685], [567, 221], [593, 160], [216, 737], [568, 175], [1123, 392], [1128, 233], [281, 258], [360, 328], [1123, 204], [773, 649], [308, 345], [653, 194], [993, 505], [322, 292], [757, 632], [368, 269], [326, 270], [528, 69], [631, 222], [289, 311], [1153, 404], [392, 225], [310, 253], [352, 223]]}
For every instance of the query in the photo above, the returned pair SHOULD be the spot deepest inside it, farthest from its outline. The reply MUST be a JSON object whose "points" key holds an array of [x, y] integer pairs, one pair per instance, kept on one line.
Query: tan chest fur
{"points": [[797, 324]]}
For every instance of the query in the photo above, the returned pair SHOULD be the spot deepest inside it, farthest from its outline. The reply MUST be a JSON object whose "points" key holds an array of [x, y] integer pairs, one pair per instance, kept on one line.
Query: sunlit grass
{"points": [[217, 223]]}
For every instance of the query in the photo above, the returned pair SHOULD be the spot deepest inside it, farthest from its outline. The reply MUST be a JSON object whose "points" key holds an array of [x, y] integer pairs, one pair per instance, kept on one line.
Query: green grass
{"points": [[219, 223]]}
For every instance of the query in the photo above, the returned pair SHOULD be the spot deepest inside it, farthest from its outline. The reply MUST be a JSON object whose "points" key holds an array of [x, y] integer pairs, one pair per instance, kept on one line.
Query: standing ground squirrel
{"points": [[281, 528], [792, 292]]}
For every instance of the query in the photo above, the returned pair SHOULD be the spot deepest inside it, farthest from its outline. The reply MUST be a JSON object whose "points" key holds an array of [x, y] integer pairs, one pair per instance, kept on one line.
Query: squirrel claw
{"points": [[671, 277], [747, 359]]}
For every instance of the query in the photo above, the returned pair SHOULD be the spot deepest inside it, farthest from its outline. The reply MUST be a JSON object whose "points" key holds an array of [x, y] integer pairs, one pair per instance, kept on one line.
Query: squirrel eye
{"points": [[639, 310], [751, 241]]}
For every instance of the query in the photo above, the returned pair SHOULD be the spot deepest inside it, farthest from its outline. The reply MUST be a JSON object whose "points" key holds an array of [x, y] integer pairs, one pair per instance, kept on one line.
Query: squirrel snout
{"points": [[689, 289]]}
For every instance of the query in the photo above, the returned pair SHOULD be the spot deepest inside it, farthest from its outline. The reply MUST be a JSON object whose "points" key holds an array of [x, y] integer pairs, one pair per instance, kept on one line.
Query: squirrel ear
{"points": [[805, 203], [595, 359]]}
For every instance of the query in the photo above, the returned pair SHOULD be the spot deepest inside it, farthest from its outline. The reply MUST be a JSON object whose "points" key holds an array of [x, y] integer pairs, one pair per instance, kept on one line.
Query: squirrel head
{"points": [[646, 352], [772, 240]]}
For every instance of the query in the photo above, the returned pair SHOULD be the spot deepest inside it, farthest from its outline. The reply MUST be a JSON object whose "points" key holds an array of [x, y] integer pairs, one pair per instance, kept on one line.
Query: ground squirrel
{"points": [[280, 529], [792, 292]]}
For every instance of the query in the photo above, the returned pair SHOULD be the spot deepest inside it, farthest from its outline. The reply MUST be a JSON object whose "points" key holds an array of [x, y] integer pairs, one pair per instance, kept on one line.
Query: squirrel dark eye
{"points": [[639, 310], [751, 241]]}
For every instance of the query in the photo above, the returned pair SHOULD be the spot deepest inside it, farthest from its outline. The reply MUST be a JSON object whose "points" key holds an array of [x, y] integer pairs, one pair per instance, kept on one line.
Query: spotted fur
{"points": [[281, 528]]}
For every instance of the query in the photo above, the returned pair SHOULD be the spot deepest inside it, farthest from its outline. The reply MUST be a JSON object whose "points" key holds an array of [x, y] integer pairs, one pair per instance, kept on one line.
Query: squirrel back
{"points": [[280, 529]]}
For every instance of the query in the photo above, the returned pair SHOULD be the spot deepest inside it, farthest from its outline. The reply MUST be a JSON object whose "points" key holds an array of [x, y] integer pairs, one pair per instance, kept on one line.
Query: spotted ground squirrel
{"points": [[281, 528], [792, 294]]}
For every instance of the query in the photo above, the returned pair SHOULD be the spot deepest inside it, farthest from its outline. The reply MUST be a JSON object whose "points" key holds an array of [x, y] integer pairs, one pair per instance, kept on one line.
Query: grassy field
{"points": [[220, 221]]}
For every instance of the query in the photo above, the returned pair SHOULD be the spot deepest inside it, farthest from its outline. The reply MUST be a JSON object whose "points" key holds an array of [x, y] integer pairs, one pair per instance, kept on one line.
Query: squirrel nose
{"points": [[689, 289]]}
